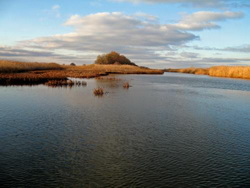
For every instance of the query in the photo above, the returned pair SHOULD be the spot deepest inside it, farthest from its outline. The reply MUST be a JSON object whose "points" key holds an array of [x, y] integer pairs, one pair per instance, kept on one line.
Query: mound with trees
{"points": [[113, 58]]}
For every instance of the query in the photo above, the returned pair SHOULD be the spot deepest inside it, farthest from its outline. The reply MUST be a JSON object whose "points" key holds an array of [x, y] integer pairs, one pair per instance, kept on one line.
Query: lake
{"points": [[171, 130]]}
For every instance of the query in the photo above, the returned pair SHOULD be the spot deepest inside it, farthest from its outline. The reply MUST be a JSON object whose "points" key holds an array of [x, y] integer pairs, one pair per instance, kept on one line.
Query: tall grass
{"points": [[7, 66], [20, 73], [231, 72], [119, 69], [242, 72]]}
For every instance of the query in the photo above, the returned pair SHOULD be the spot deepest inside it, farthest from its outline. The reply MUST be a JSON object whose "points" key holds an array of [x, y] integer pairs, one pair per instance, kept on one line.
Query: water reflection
{"points": [[164, 131]]}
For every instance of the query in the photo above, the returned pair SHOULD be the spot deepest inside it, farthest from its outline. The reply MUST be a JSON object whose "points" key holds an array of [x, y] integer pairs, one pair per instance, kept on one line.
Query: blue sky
{"points": [[159, 33]]}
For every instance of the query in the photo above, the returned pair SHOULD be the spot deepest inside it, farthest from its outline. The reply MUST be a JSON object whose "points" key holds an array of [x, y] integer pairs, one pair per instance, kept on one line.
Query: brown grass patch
{"points": [[230, 72], [29, 78], [242, 72], [14, 66], [98, 91]]}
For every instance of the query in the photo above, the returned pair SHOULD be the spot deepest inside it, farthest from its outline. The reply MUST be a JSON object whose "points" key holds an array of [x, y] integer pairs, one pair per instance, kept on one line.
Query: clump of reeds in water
{"points": [[65, 83], [126, 85], [98, 91], [108, 78]]}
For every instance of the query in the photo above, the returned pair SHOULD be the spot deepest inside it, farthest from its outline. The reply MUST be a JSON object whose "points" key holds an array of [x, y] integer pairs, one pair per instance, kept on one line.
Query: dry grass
{"points": [[230, 72], [98, 91], [14, 66], [190, 70], [242, 72], [18, 73], [108, 78], [117, 69], [29, 78]]}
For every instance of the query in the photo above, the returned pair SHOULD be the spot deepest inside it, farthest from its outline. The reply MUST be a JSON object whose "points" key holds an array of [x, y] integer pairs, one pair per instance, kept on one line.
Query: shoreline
{"points": [[235, 72], [36, 77]]}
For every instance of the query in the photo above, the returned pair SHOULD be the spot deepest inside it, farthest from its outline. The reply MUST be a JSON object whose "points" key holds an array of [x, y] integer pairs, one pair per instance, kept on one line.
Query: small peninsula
{"points": [[27, 73]]}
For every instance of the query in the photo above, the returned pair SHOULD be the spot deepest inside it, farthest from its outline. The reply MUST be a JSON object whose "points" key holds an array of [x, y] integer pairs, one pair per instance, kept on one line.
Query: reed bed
{"points": [[242, 72], [230, 72], [120, 69], [20, 73], [109, 78], [28, 78], [98, 91], [14, 66], [65, 83], [191, 70]]}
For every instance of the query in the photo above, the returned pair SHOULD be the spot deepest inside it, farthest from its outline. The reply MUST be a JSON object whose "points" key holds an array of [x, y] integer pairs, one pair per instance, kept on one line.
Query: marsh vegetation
{"points": [[242, 72], [7, 66], [65, 83], [98, 91], [126, 85], [22, 73]]}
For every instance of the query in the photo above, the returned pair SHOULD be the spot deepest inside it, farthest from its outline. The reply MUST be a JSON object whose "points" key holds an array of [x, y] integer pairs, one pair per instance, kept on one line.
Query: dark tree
{"points": [[113, 58]]}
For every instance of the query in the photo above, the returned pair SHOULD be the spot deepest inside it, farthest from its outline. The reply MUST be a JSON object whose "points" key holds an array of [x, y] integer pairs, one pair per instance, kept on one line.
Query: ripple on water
{"points": [[169, 131]]}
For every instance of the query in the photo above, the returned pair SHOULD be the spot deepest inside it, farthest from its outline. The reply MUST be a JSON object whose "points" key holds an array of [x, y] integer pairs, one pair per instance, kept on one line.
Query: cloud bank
{"points": [[138, 36], [113, 31]]}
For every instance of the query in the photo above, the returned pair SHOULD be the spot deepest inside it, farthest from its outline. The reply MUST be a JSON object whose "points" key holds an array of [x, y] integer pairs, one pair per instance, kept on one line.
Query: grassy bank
{"points": [[14, 66], [242, 72], [19, 73]]}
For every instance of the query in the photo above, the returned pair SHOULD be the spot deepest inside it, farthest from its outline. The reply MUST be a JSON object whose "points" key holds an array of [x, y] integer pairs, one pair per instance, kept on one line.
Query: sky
{"points": [[152, 33]]}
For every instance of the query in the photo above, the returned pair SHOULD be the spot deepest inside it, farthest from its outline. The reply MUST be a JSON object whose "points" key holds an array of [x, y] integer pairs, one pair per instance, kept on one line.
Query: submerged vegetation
{"points": [[242, 72], [126, 85], [65, 83], [98, 91], [108, 78]]}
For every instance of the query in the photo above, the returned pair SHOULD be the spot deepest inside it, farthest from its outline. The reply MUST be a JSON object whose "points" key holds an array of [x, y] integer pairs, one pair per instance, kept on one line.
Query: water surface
{"points": [[174, 130]]}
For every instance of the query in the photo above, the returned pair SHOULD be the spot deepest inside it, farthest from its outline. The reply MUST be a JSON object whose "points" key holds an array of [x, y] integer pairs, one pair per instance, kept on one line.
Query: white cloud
{"points": [[206, 20], [55, 11], [109, 31], [146, 17]]}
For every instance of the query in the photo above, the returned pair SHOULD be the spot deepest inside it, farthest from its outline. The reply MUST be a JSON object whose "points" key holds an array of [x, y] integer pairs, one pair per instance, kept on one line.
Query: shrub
{"points": [[113, 58]]}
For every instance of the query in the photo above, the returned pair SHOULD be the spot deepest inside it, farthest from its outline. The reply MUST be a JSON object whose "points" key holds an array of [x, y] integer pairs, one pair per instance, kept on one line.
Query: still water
{"points": [[174, 130]]}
